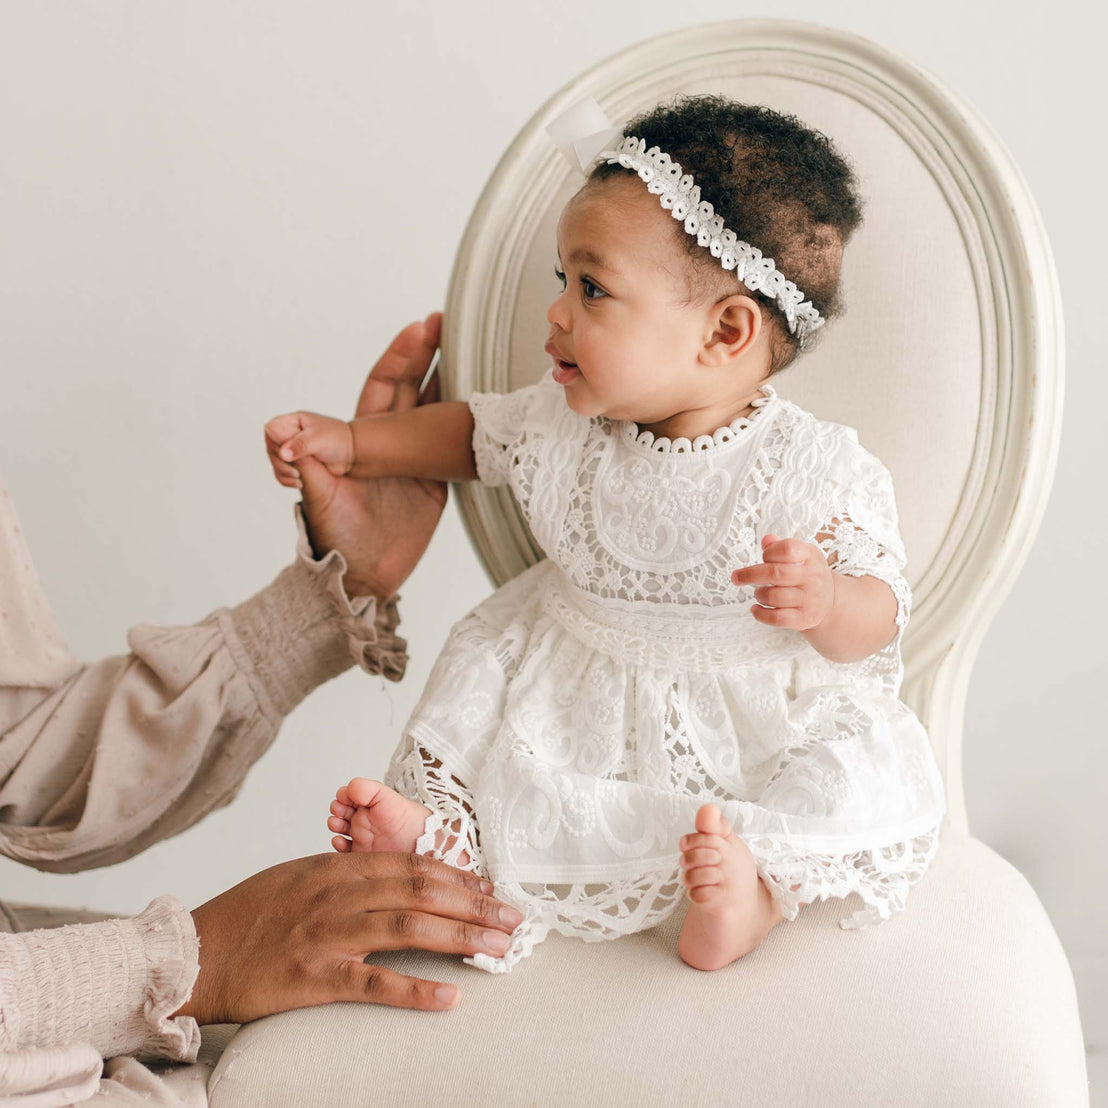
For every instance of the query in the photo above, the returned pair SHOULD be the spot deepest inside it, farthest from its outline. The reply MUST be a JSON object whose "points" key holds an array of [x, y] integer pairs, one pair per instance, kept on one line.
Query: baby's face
{"points": [[623, 337]]}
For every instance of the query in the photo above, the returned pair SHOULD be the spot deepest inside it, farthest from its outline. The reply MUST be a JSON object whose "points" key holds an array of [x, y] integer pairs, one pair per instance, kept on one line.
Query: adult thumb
{"points": [[318, 483]]}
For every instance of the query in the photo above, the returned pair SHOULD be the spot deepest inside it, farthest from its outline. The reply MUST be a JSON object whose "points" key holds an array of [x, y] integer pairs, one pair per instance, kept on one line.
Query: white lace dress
{"points": [[576, 720]]}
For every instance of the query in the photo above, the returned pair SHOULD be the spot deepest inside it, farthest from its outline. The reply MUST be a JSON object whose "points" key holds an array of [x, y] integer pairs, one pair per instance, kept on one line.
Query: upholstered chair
{"points": [[949, 364]]}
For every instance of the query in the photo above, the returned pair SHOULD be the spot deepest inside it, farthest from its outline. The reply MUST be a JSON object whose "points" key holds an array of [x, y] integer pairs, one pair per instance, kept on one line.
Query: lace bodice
{"points": [[639, 524], [578, 717]]}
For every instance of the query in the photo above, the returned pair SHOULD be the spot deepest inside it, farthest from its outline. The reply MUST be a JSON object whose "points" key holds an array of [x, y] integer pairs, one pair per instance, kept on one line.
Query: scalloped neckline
{"points": [[702, 444]]}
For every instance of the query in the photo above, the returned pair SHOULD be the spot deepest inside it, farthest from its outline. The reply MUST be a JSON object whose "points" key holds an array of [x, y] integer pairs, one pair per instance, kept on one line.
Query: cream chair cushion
{"points": [[964, 1001]]}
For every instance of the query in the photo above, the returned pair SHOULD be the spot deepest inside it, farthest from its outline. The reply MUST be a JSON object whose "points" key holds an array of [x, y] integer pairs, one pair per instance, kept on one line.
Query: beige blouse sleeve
{"points": [[99, 761], [130, 750]]}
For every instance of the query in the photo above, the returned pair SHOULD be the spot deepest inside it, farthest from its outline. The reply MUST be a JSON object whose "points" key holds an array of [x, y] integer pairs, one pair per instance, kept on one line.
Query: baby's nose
{"points": [[557, 316]]}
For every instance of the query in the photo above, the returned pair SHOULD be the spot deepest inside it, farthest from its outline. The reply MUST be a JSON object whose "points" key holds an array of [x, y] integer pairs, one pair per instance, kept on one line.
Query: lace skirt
{"points": [[564, 745]]}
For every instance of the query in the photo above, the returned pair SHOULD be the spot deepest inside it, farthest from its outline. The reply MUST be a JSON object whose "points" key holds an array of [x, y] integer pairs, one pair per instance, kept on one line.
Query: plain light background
{"points": [[214, 212]]}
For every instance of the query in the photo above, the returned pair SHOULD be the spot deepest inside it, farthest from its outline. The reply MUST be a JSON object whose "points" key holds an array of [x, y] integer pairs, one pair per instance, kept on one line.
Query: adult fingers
{"points": [[376, 867], [372, 984], [318, 483], [284, 471], [400, 369], [423, 894], [408, 383], [430, 394], [409, 930]]}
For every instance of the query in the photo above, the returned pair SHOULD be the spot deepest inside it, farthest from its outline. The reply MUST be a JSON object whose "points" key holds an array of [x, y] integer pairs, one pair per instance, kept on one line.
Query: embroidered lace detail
{"points": [[882, 876], [701, 641], [680, 196], [720, 437], [576, 720]]}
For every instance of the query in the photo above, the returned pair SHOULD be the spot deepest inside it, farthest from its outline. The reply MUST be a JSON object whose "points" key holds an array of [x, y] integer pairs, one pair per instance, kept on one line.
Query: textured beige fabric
{"points": [[113, 984], [965, 1001], [74, 994], [99, 761], [133, 749]]}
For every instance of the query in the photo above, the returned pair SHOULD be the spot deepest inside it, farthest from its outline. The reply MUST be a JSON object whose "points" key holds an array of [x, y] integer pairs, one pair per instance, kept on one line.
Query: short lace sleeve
{"points": [[499, 434], [858, 528], [531, 440]]}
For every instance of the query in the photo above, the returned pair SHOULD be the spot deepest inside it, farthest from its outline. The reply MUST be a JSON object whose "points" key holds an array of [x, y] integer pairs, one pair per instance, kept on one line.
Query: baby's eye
{"points": [[592, 292], [560, 275]]}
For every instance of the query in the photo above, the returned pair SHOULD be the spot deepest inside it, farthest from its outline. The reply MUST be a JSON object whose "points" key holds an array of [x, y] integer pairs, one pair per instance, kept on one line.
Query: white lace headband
{"points": [[583, 134]]}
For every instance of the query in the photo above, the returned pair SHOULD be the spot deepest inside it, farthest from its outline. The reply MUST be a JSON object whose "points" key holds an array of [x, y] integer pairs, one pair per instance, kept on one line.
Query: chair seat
{"points": [[965, 999]]}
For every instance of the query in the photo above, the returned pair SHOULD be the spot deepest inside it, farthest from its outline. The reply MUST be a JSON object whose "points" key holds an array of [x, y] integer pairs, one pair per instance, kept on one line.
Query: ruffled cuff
{"points": [[303, 629], [882, 876], [113, 985]]}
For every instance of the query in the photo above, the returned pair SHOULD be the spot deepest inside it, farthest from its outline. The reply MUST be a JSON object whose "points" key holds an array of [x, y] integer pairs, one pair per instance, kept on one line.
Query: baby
{"points": [[620, 724]]}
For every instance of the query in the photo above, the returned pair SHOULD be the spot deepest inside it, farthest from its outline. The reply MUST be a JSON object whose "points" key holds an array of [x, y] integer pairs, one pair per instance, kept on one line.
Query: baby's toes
{"points": [[343, 846], [338, 825], [704, 883], [361, 829], [363, 791], [710, 821], [341, 809], [700, 856]]}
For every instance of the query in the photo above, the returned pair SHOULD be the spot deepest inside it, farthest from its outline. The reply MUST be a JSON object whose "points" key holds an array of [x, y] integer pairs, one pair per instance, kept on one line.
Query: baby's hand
{"points": [[796, 582], [298, 434]]}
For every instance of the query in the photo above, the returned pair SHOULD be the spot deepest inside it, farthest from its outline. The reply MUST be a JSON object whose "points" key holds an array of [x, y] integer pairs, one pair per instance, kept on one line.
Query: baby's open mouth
{"points": [[564, 372]]}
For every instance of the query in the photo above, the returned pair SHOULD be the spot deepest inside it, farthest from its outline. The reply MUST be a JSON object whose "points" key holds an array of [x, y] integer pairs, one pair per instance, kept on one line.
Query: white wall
{"points": [[215, 211]]}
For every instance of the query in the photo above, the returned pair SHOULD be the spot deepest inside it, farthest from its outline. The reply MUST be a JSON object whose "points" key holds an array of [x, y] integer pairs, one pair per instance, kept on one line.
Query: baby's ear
{"points": [[731, 329]]}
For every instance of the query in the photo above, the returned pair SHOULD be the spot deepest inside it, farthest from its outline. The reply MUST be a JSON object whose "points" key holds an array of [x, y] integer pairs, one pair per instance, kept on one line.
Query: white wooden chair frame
{"points": [[1021, 320]]}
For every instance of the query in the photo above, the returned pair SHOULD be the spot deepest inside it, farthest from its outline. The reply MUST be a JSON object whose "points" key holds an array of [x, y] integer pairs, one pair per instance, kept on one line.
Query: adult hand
{"points": [[382, 526], [297, 934]]}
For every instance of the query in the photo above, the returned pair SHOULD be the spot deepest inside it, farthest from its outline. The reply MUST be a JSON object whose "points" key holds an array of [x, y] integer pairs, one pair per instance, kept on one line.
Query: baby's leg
{"points": [[369, 816], [731, 910]]}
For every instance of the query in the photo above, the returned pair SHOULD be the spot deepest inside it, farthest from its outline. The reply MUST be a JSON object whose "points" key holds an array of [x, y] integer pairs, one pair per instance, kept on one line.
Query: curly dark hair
{"points": [[779, 185]]}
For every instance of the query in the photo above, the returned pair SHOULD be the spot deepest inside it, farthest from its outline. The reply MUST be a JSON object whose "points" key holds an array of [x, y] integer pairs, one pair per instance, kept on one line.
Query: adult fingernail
{"points": [[496, 940], [486, 888], [446, 994], [511, 917]]}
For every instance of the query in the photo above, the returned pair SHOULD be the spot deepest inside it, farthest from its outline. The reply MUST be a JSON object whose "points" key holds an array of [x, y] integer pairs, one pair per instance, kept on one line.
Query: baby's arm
{"points": [[861, 621], [433, 441]]}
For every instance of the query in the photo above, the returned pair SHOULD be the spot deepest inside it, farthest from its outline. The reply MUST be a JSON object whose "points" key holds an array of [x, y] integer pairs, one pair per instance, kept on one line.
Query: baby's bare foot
{"points": [[369, 816], [731, 910]]}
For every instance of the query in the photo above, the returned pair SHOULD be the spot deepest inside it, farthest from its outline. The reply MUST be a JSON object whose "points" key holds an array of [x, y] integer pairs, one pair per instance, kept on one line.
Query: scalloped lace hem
{"points": [[882, 876]]}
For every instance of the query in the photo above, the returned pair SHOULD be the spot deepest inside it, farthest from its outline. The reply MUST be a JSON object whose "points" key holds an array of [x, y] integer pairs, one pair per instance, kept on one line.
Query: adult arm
{"points": [[76, 743], [99, 761]]}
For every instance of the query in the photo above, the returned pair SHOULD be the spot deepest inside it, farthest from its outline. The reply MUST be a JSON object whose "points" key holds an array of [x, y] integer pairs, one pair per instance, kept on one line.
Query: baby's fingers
{"points": [[281, 428], [285, 473]]}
